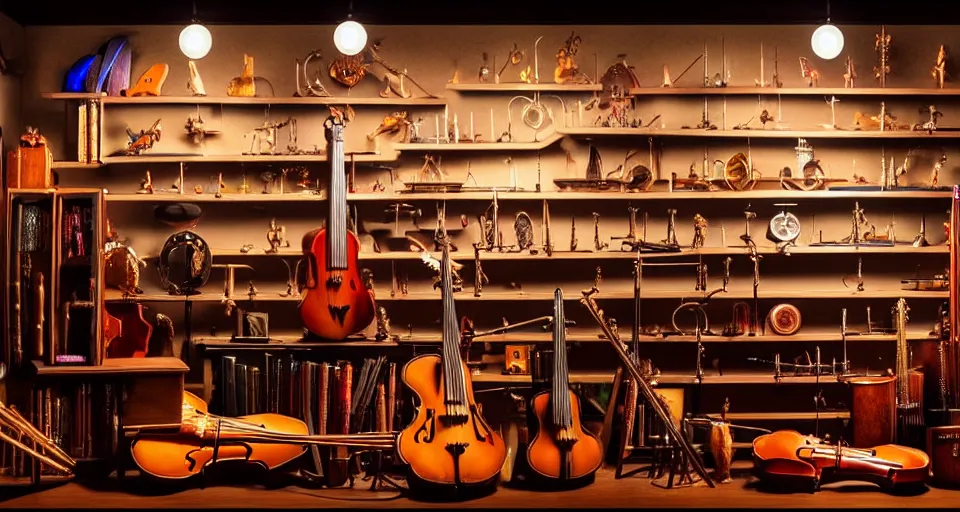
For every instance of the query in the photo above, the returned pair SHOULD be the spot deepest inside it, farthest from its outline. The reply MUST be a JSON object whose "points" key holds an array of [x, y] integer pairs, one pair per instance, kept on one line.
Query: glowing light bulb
{"points": [[827, 41], [195, 41], [350, 37]]}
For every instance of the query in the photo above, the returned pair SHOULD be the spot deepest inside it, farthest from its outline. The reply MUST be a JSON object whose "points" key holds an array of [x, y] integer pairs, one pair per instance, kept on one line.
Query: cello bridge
{"points": [[334, 281]]}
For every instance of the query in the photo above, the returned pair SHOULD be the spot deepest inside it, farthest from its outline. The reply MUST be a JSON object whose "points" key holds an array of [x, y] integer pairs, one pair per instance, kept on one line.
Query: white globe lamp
{"points": [[195, 41], [827, 41], [350, 37]]}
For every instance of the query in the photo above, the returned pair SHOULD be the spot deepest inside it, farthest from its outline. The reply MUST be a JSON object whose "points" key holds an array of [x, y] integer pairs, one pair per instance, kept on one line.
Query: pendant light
{"points": [[827, 40], [350, 37], [195, 39]]}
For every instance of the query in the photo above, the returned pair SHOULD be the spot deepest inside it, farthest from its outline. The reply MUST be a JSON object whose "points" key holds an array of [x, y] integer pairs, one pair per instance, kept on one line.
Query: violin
{"points": [[561, 449], [448, 444], [267, 440], [336, 303], [789, 457]]}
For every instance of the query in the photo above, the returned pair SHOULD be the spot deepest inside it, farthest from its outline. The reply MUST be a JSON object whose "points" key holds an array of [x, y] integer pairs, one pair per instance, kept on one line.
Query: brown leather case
{"points": [[30, 167], [943, 446]]}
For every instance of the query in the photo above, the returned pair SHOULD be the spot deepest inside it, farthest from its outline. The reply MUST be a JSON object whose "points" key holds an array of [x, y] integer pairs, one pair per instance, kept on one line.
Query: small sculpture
{"points": [[263, 139], [309, 86], [276, 237], [567, 70], [383, 324], [146, 184], [396, 122], [939, 70], [143, 141], [196, 129], [931, 125], [483, 74], [699, 231], [850, 76], [195, 83], [252, 290], [220, 186], [150, 82], [882, 47], [806, 71], [243, 85], [935, 173]]}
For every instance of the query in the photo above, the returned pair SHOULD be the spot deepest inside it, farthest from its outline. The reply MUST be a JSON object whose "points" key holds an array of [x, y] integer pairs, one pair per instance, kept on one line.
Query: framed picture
{"points": [[517, 360]]}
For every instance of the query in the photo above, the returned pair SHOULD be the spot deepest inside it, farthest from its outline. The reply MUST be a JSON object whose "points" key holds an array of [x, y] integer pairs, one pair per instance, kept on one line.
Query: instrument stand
{"points": [[380, 481]]}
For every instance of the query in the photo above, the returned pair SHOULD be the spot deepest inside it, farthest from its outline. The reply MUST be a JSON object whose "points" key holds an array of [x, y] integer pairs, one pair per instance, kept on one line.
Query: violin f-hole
{"points": [[476, 428], [428, 432]]}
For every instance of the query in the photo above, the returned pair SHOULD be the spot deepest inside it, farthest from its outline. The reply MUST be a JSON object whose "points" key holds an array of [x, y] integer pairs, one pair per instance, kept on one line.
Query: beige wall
{"points": [[12, 38], [431, 54]]}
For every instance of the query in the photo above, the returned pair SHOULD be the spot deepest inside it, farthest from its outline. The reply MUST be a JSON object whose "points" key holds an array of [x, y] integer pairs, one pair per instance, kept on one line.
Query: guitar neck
{"points": [[337, 221], [560, 392]]}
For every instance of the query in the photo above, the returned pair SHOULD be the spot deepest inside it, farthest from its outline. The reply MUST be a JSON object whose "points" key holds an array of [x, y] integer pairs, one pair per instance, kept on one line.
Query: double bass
{"points": [[787, 457], [336, 304], [268, 440], [561, 449], [448, 445]]}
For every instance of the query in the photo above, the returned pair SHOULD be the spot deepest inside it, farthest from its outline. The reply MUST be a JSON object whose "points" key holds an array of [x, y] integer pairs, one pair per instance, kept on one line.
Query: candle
{"points": [[493, 133], [473, 137], [456, 129], [436, 120], [446, 124], [579, 112]]}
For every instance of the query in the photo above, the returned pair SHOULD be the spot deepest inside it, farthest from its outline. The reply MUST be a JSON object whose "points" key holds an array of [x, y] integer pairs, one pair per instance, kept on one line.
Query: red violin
{"points": [[336, 303], [789, 457]]}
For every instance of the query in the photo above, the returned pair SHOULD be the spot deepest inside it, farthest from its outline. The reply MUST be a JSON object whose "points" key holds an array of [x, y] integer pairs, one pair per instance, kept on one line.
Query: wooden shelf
{"points": [[783, 416], [760, 134], [76, 165], [537, 196], [295, 341], [666, 378], [467, 296], [73, 96], [587, 255], [114, 367], [266, 159], [238, 100], [481, 146], [524, 87], [791, 91]]}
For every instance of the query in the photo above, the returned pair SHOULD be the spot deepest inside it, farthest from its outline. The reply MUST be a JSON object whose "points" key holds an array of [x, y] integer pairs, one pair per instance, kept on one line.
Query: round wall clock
{"points": [[785, 226]]}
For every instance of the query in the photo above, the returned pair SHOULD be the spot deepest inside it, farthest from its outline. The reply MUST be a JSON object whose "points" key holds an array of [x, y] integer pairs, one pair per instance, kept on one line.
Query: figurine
{"points": [[413, 131], [195, 83], [348, 70], [931, 125], [939, 70], [276, 237], [383, 324], [146, 184], [935, 173], [483, 74], [882, 47], [196, 130], [263, 139], [143, 141], [220, 186], [850, 76], [394, 123], [252, 290], [567, 70], [699, 231], [812, 75], [245, 84], [150, 82]]}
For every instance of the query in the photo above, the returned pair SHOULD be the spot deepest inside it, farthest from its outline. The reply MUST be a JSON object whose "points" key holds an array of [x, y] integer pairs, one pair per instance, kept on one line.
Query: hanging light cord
{"points": [[350, 10], [197, 20], [828, 11]]}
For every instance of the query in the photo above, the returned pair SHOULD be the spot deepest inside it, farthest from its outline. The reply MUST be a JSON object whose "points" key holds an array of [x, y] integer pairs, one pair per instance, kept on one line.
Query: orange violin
{"points": [[268, 440], [336, 303], [789, 457]]}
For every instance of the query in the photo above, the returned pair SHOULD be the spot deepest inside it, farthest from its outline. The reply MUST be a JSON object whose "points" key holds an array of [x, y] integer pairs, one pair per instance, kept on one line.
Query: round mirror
{"points": [[185, 263]]}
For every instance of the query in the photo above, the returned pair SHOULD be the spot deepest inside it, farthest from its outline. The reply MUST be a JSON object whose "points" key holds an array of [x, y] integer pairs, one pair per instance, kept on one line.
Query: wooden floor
{"points": [[635, 491]]}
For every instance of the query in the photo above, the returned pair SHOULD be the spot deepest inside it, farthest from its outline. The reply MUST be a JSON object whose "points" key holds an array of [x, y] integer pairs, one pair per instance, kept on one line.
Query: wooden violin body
{"points": [[561, 449], [788, 457], [440, 451], [553, 458], [336, 303], [182, 455]]}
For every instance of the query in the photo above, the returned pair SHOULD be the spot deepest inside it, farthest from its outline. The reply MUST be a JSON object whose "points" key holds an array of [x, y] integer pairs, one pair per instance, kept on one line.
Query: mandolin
{"points": [[268, 440], [788, 457], [336, 304], [561, 449], [448, 444]]}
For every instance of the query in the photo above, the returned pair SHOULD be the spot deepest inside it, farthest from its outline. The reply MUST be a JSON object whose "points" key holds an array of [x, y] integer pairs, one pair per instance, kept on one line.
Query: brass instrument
{"points": [[44, 449], [678, 438], [909, 383]]}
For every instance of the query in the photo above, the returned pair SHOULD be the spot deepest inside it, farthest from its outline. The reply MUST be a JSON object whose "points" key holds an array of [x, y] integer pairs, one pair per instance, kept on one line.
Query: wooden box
{"points": [[30, 167]]}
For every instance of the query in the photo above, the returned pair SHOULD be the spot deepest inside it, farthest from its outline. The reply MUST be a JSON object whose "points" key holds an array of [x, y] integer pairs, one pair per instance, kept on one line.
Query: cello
{"points": [[788, 457], [268, 440], [448, 444], [336, 303], [561, 449]]}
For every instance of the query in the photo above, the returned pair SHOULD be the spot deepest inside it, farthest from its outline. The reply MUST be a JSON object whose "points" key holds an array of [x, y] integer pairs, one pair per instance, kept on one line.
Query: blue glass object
{"points": [[76, 77]]}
